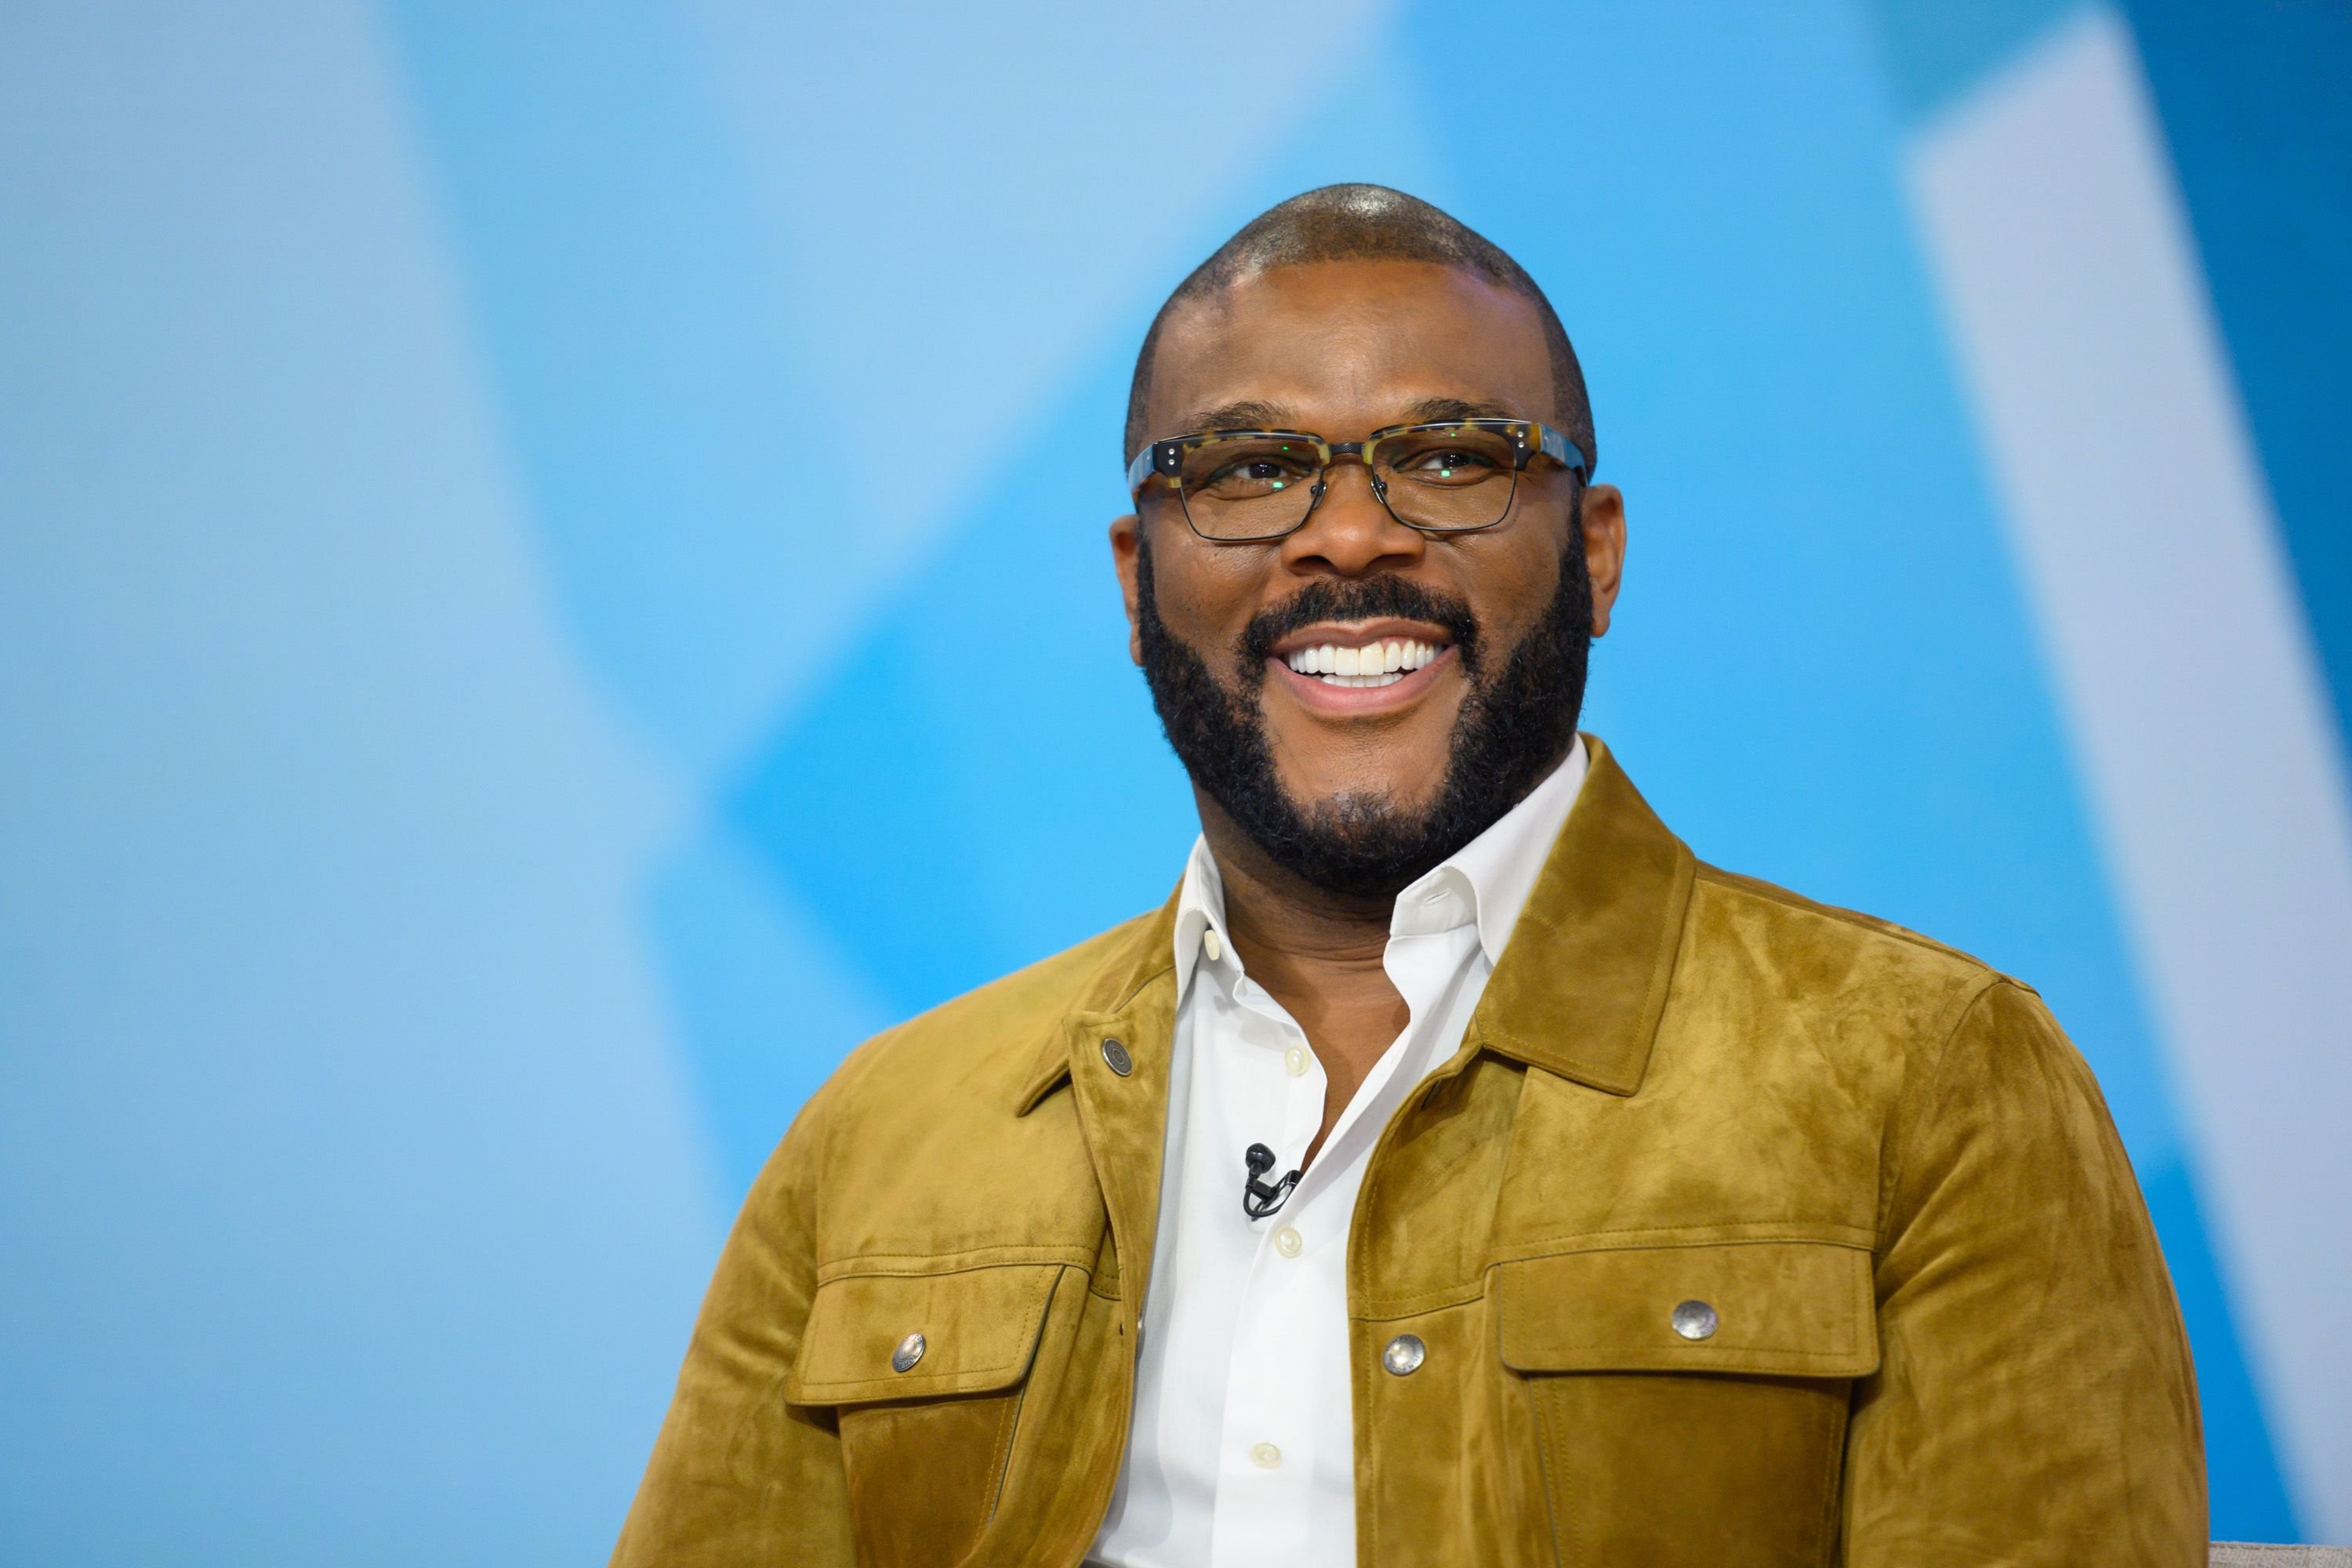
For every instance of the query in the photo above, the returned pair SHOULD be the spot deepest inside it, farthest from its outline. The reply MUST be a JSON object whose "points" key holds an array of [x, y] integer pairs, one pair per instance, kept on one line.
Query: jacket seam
{"points": [[1756, 887], [1389, 1308], [1000, 1460], [1359, 1373], [1710, 1357], [1142, 983], [900, 1265], [1552, 1459], [1761, 1233], [1003, 1460], [1959, 1010], [1673, 936], [1832, 1475]]}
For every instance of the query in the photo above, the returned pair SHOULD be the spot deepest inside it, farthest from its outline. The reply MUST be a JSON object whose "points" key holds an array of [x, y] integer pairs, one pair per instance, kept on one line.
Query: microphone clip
{"points": [[1260, 1199]]}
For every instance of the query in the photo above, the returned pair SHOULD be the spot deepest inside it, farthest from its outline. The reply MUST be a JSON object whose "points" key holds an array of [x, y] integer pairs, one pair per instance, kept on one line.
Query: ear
{"points": [[1605, 549], [1125, 540]]}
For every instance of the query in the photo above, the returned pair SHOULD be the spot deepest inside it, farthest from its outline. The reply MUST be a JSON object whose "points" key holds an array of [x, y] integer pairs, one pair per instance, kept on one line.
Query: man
{"points": [[1454, 1171]]}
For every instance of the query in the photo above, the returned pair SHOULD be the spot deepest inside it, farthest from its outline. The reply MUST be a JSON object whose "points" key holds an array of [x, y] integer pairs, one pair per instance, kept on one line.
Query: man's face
{"points": [[1352, 785]]}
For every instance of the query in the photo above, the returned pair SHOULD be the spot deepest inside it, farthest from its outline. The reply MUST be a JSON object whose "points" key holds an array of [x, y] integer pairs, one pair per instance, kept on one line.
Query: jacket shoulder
{"points": [[1831, 966], [1794, 914]]}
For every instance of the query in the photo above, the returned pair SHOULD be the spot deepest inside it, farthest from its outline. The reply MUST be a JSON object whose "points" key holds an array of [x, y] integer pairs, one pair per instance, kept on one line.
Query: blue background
{"points": [[476, 758]]}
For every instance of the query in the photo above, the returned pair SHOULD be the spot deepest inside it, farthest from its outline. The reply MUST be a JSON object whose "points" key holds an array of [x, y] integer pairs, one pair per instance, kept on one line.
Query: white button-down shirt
{"points": [[1242, 1448]]}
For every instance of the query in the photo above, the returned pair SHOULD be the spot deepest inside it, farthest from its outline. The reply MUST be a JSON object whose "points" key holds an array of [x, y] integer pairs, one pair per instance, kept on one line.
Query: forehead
{"points": [[1345, 347]]}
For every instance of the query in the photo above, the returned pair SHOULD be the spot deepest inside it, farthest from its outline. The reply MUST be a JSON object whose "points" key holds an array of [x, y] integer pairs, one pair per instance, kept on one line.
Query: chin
{"points": [[1401, 785], [1363, 808]]}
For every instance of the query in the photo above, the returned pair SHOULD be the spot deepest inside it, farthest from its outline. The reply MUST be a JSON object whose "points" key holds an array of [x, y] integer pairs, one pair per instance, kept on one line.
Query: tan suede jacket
{"points": [[1941, 1330]]}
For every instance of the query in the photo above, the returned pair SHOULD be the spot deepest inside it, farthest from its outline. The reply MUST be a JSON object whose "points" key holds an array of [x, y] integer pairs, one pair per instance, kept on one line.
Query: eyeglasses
{"points": [[1239, 487]]}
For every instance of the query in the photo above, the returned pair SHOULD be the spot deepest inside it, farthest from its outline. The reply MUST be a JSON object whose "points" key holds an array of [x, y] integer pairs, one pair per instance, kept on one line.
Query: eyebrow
{"points": [[1441, 410], [1248, 415], [1252, 414]]}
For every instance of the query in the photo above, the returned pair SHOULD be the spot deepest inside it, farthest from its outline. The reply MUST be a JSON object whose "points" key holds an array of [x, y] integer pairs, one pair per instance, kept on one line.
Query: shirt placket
{"points": [[1288, 1366], [1266, 1451]]}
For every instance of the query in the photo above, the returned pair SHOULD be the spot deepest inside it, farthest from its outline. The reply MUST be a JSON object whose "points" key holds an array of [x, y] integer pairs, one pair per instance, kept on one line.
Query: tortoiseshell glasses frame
{"points": [[1457, 476]]}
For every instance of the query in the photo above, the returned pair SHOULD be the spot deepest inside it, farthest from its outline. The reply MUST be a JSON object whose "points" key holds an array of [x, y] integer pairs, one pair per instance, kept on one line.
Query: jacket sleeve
{"points": [[2034, 1402], [737, 1477]]}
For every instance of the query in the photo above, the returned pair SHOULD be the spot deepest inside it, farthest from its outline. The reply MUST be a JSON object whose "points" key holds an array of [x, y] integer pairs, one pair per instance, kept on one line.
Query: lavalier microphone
{"points": [[1258, 1198]]}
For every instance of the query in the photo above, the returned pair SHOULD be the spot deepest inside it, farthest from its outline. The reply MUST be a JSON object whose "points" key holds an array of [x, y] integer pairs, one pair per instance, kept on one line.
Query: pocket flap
{"points": [[1801, 1309], [979, 1329]]}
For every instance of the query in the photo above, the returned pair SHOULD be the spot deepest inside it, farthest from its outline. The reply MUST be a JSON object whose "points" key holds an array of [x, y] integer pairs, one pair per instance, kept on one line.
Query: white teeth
{"points": [[1383, 663]]}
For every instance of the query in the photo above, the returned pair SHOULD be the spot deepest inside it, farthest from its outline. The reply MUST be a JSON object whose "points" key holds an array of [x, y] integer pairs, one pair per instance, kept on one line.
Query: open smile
{"points": [[1374, 667], [1381, 663]]}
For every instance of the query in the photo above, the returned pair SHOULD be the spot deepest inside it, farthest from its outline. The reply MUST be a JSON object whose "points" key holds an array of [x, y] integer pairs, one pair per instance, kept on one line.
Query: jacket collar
{"points": [[1581, 984], [1136, 957], [1114, 1049], [1583, 979]]}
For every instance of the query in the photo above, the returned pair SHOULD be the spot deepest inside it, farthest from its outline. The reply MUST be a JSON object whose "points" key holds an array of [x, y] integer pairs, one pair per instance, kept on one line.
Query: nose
{"points": [[1350, 533]]}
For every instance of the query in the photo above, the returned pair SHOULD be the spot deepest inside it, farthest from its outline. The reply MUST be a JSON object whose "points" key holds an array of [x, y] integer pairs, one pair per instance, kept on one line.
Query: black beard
{"points": [[1513, 728]]}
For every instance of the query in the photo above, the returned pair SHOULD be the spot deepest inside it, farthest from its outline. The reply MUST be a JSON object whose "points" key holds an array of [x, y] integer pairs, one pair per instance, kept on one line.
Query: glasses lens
{"points": [[1249, 486], [1448, 476]]}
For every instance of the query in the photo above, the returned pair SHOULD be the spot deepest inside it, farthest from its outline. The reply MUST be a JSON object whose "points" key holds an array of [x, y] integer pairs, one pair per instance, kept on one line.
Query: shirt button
{"points": [[1693, 1319], [1405, 1355], [1210, 945], [1288, 1242], [1115, 1055], [1265, 1457], [1295, 1059], [909, 1351]]}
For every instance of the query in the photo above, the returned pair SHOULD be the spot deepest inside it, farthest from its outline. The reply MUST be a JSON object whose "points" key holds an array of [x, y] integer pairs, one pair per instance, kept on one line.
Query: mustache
{"points": [[1367, 599]]}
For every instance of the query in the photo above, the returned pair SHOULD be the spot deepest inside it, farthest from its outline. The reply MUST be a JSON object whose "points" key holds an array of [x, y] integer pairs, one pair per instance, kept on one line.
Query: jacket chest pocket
{"points": [[925, 1373], [1690, 1401]]}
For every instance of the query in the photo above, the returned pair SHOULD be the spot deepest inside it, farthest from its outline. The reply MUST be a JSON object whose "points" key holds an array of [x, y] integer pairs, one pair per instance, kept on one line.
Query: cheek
{"points": [[1517, 597], [1205, 599]]}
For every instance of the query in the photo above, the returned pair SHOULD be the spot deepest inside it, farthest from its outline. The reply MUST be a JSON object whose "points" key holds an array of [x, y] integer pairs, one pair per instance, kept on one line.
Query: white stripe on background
{"points": [[2145, 531]]}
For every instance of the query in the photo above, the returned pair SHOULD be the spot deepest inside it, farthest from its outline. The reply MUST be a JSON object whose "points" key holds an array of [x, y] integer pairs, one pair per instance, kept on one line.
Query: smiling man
{"points": [[1454, 1171]]}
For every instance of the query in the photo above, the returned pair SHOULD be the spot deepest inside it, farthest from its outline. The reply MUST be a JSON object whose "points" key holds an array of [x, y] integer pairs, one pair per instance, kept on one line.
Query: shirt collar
{"points": [[1501, 865], [1487, 880], [1200, 908]]}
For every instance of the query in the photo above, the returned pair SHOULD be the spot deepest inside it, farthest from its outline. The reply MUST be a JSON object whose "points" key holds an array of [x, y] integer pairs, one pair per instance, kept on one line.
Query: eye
{"points": [[1254, 472], [1446, 463], [1461, 456], [1243, 471]]}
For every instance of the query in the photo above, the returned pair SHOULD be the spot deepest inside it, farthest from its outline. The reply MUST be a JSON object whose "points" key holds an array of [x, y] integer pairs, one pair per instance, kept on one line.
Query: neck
{"points": [[1318, 954], [1271, 910]]}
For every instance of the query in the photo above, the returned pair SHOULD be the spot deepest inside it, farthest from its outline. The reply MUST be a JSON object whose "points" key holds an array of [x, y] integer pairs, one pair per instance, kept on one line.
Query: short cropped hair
{"points": [[1366, 223]]}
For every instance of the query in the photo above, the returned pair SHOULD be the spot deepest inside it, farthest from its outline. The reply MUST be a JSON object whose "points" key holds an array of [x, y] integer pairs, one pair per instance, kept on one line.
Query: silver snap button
{"points": [[909, 1351], [1693, 1319], [1116, 1054], [1404, 1355]]}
